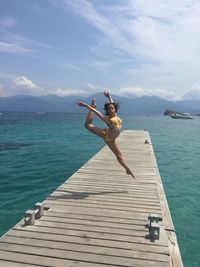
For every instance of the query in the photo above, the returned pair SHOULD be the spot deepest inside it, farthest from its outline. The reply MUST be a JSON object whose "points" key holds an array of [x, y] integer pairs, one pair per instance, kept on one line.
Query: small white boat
{"points": [[181, 116]]}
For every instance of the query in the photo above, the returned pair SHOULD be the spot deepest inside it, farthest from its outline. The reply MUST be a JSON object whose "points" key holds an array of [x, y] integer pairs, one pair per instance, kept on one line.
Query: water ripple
{"points": [[12, 145]]}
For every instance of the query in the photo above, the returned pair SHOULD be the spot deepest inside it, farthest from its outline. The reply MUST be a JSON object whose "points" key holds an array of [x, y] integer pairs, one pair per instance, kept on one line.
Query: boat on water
{"points": [[181, 116]]}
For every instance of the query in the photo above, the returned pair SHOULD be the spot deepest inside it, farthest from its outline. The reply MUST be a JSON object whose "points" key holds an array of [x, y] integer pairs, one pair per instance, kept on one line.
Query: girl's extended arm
{"points": [[107, 94]]}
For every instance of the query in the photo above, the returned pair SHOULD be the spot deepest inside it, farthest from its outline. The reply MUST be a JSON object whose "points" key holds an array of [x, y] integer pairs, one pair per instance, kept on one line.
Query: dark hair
{"points": [[106, 105]]}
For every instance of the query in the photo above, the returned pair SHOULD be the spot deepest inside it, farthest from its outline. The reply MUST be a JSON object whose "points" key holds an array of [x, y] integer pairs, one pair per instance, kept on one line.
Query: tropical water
{"points": [[39, 151]]}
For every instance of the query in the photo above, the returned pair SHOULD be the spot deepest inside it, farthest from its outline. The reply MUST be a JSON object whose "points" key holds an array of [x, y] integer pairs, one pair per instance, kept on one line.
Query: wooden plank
{"points": [[136, 237], [125, 253], [135, 224], [131, 189], [10, 263], [105, 200], [97, 189], [94, 217], [115, 195], [55, 254], [106, 211], [84, 240], [63, 203], [69, 228], [41, 260]]}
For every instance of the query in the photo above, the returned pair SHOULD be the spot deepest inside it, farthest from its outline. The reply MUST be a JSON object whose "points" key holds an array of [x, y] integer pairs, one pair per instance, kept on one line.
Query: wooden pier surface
{"points": [[99, 216]]}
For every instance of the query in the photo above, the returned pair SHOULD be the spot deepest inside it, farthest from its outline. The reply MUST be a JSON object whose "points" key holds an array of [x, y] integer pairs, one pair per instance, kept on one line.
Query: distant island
{"points": [[144, 105]]}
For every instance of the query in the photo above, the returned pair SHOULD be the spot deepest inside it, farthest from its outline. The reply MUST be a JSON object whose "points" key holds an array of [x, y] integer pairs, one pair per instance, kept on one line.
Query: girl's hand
{"points": [[106, 93], [82, 104]]}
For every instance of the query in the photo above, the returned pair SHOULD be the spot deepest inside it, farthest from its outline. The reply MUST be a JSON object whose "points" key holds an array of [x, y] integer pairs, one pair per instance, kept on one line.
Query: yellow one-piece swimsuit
{"points": [[114, 122]]}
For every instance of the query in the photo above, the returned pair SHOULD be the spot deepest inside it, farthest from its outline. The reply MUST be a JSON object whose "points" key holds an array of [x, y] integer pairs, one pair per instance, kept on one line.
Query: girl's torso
{"points": [[115, 122], [115, 127]]}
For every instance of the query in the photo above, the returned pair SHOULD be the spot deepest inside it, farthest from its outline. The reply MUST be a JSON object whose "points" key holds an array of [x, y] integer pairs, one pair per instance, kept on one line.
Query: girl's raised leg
{"points": [[88, 123], [90, 115]]}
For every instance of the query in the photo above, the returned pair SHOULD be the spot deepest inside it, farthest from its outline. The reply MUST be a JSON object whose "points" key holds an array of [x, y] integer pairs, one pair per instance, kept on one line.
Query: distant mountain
{"points": [[145, 105], [23, 103]]}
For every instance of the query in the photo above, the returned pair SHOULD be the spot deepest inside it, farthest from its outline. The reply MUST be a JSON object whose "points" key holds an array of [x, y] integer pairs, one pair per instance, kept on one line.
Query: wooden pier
{"points": [[99, 216]]}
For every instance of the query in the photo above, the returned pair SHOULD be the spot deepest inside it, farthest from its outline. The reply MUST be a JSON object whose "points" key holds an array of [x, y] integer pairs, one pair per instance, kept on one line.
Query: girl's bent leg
{"points": [[90, 115], [91, 127]]}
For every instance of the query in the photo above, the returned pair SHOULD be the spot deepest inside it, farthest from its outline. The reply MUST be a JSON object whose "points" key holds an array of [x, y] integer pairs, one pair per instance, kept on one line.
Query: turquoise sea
{"points": [[39, 151]]}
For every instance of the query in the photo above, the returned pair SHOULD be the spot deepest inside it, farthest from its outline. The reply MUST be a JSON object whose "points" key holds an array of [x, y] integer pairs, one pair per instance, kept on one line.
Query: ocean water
{"points": [[39, 151]]}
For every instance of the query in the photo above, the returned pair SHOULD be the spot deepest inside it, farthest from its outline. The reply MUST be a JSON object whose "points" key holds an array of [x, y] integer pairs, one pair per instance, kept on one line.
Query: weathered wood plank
{"points": [[105, 201], [137, 225], [100, 250], [97, 189], [136, 237], [94, 217], [84, 240], [63, 203], [10, 263], [106, 211], [41, 260], [58, 255]]}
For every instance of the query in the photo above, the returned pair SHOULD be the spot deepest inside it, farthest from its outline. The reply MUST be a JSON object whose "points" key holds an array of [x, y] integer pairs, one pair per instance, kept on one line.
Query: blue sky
{"points": [[131, 47]]}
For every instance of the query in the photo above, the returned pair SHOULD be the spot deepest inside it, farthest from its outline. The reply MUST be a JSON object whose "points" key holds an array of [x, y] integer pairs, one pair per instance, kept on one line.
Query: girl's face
{"points": [[111, 110]]}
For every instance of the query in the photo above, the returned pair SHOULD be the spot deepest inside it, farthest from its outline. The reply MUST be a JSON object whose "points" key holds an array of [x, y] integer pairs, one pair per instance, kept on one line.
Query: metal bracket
{"points": [[154, 227], [31, 215]]}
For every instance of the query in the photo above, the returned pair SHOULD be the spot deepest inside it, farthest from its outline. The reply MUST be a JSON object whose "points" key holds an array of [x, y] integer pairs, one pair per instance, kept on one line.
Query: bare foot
{"points": [[81, 104], [93, 103], [106, 93], [129, 172]]}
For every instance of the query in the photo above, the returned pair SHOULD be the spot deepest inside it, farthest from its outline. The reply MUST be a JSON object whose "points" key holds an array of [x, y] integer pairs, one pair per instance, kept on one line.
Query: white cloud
{"points": [[65, 92], [160, 9], [137, 92], [88, 90], [6, 22], [22, 85], [23, 82], [193, 94], [13, 48], [26, 41], [71, 66], [18, 44], [170, 34], [93, 87]]}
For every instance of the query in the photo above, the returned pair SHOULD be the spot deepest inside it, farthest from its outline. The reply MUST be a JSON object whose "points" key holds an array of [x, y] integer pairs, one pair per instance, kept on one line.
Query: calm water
{"points": [[38, 152]]}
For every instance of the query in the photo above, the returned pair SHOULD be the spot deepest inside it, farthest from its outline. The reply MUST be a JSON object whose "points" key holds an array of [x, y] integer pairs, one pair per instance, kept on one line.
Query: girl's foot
{"points": [[129, 172], [81, 104], [106, 93], [93, 103]]}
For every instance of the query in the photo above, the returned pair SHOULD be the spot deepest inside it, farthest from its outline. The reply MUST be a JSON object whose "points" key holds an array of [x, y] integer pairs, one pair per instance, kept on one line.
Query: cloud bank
{"points": [[22, 85]]}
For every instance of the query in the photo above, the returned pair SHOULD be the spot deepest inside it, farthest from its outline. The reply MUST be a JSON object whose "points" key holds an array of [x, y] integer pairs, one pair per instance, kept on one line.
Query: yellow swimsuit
{"points": [[113, 123]]}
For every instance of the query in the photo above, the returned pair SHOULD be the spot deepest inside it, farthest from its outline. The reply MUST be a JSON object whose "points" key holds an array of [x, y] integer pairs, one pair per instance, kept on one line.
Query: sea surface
{"points": [[39, 151]]}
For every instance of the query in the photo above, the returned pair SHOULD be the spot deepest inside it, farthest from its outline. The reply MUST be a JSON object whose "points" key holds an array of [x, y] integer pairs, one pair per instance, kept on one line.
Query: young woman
{"points": [[113, 122]]}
